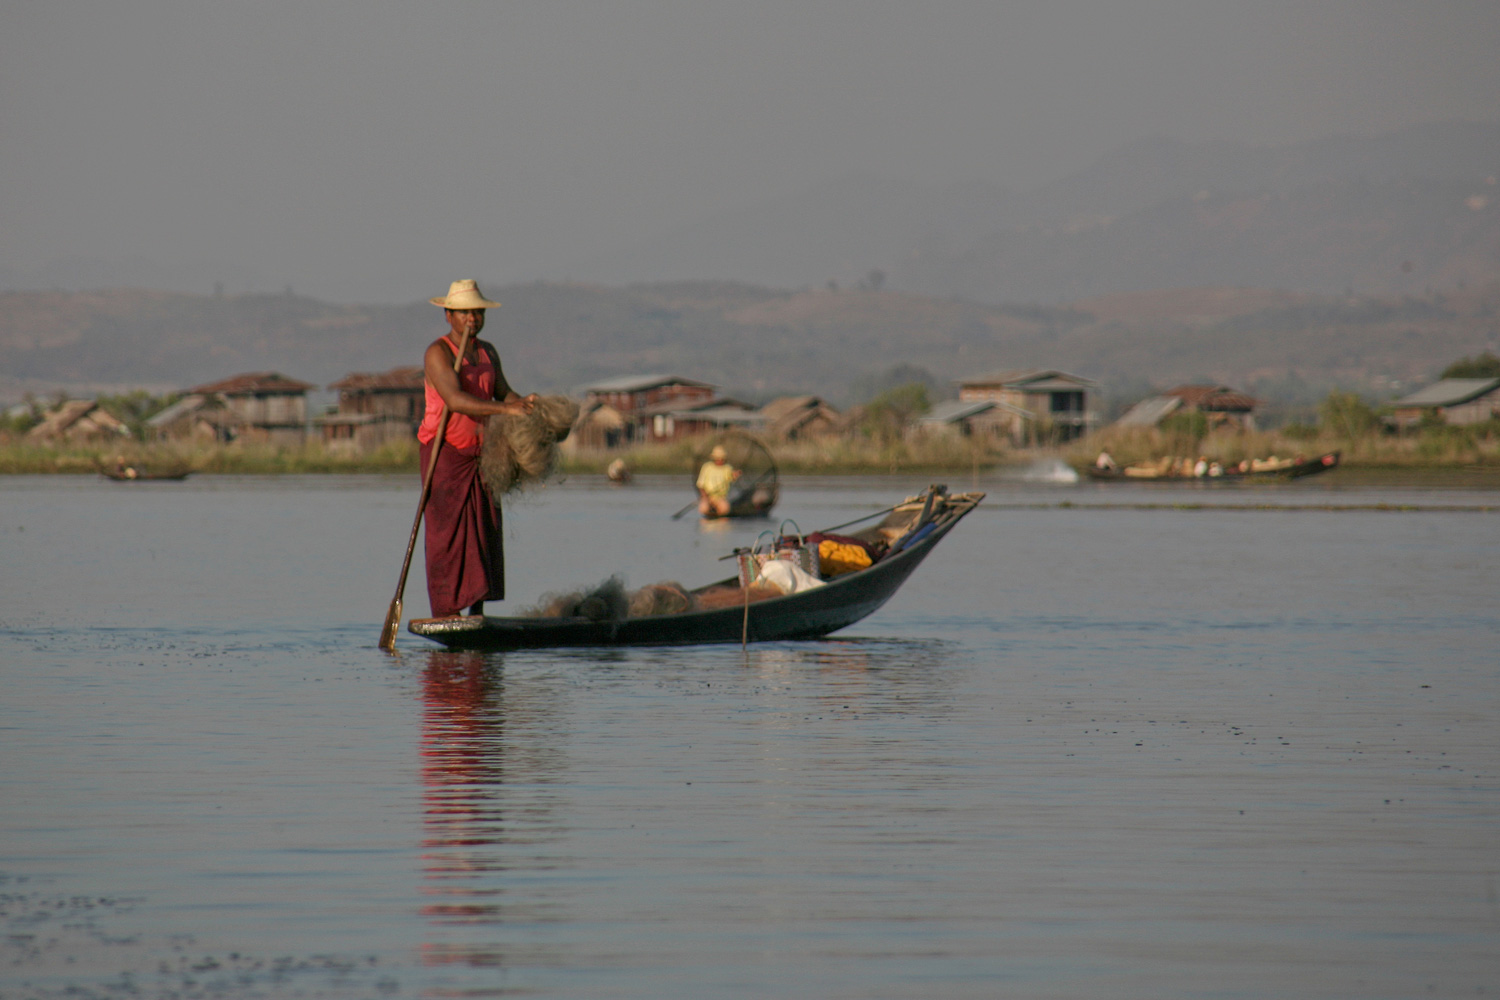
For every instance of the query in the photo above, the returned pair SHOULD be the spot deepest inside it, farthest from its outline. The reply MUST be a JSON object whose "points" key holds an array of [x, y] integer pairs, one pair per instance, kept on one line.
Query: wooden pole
{"points": [[745, 624]]}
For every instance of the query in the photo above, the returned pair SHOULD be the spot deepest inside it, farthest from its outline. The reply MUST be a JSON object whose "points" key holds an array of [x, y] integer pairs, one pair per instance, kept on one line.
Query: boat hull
{"points": [[146, 477], [810, 614], [1311, 467]]}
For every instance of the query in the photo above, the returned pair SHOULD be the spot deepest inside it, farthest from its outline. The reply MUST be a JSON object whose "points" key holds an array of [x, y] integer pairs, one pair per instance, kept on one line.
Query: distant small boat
{"points": [[135, 474], [758, 488], [754, 499], [1267, 469]]}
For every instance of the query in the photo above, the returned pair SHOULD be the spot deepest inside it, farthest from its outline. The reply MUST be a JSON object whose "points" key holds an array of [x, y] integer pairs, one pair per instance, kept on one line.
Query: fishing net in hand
{"points": [[521, 449]]}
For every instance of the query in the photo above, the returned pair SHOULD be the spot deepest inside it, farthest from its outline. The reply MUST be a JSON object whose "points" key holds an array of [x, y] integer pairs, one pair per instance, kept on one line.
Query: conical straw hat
{"points": [[464, 295]]}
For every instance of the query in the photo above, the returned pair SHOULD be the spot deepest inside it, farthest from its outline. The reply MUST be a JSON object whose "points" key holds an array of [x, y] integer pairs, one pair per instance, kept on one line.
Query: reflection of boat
{"points": [[1290, 468], [758, 488], [911, 530]]}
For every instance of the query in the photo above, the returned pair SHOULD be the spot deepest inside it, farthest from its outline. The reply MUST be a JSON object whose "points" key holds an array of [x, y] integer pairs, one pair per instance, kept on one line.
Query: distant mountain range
{"points": [[1399, 213], [758, 342], [1391, 214], [1348, 236]]}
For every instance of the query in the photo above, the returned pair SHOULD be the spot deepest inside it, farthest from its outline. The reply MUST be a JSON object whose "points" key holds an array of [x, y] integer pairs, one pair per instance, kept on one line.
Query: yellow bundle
{"points": [[840, 557]]}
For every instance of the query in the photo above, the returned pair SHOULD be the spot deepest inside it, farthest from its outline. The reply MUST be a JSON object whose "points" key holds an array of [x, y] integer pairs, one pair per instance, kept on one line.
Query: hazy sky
{"points": [[372, 150]]}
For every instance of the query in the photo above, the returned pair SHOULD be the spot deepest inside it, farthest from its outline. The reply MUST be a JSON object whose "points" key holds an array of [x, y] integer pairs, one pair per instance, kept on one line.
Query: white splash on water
{"points": [[1046, 470]]}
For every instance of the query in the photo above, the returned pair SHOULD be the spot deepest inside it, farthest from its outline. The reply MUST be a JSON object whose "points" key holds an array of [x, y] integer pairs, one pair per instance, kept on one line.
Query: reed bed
{"points": [[20, 457], [1432, 448]]}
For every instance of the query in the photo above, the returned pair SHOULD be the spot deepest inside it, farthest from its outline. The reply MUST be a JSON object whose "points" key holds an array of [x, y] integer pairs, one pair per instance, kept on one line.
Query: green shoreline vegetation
{"points": [[840, 456], [1475, 447]]}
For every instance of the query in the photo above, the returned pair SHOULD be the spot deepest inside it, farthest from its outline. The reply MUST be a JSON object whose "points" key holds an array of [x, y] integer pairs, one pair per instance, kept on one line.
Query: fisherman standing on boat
{"points": [[465, 553], [714, 480]]}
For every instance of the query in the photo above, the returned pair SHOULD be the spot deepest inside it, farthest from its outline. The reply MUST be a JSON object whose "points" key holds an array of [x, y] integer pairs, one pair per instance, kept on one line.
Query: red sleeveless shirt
{"points": [[477, 378]]}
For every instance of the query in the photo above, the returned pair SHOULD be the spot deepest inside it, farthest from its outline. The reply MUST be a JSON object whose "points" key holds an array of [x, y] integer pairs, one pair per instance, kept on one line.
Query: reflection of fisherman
{"points": [[714, 480], [464, 767]]}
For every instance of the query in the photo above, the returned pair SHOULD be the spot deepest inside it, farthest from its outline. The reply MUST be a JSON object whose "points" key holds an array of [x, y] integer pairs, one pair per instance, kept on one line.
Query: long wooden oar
{"points": [[393, 616]]}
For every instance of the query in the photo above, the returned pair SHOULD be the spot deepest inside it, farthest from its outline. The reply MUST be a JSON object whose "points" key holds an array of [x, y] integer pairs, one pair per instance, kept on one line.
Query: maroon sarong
{"points": [[465, 553]]}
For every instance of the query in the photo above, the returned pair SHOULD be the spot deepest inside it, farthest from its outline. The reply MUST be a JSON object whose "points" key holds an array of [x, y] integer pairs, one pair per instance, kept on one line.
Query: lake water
{"points": [[1109, 741]]}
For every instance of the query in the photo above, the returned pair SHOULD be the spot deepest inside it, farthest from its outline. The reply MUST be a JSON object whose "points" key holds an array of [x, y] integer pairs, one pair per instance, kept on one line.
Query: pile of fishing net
{"points": [[521, 449], [610, 601]]}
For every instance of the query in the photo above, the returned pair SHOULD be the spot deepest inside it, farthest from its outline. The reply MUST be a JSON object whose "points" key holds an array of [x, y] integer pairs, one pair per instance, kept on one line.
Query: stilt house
{"points": [[374, 408], [268, 406], [1045, 406]]}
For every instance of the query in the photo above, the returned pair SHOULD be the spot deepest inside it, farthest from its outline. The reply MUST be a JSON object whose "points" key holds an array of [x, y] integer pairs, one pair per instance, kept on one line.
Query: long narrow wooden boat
{"points": [[753, 499], [1292, 470], [132, 475], [913, 528]]}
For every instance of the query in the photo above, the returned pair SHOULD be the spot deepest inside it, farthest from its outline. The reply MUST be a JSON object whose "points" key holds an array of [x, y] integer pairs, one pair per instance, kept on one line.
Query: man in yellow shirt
{"points": [[714, 480]]}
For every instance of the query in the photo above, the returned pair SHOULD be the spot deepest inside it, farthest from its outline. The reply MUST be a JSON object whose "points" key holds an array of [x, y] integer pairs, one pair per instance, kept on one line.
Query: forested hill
{"points": [[1400, 213], [755, 342]]}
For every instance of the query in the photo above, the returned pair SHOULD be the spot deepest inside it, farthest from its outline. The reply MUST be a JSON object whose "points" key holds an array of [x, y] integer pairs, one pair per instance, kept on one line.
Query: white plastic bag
{"points": [[787, 577]]}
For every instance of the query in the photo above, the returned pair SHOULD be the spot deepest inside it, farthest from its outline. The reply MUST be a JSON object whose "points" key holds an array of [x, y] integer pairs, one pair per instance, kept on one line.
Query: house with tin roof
{"points": [[205, 419], [1221, 405], [800, 418], [1047, 406], [636, 408], [77, 421], [262, 406], [374, 408], [1456, 401], [969, 418], [676, 420], [635, 393]]}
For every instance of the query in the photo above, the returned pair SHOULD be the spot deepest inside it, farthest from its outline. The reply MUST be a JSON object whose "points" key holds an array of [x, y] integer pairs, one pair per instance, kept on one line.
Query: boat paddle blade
{"points": [[392, 623]]}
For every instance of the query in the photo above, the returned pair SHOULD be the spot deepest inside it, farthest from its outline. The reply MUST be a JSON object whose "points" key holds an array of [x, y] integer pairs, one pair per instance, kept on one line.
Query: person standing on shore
{"points": [[464, 548]]}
